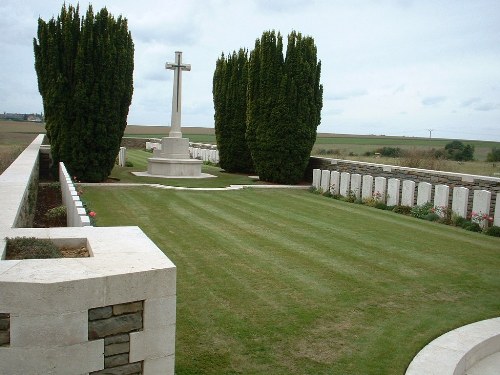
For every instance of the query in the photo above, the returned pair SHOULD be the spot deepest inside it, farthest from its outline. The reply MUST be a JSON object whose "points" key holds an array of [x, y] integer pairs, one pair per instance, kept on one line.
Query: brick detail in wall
{"points": [[114, 324], [4, 329]]}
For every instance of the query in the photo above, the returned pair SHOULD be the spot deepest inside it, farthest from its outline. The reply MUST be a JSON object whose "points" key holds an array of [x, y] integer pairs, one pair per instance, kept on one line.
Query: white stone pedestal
{"points": [[173, 159]]}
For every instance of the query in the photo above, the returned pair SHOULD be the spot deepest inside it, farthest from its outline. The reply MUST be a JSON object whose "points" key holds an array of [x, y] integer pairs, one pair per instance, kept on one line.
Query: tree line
{"points": [[268, 107]]}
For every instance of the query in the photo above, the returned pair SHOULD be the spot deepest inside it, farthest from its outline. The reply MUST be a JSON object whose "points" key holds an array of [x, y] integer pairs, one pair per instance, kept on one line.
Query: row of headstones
{"points": [[204, 154], [76, 215], [388, 192]]}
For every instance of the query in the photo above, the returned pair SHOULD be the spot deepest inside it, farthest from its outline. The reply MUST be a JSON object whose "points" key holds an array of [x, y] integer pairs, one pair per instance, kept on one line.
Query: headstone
{"points": [[393, 191], [460, 201], [367, 187], [316, 178], [408, 193], [380, 189], [325, 180], [424, 193], [441, 199], [335, 182], [481, 206], [356, 185], [497, 211], [122, 156], [345, 179]]}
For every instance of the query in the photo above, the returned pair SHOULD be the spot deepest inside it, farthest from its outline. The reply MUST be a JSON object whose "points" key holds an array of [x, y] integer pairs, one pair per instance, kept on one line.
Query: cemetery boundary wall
{"points": [[113, 312], [471, 182]]}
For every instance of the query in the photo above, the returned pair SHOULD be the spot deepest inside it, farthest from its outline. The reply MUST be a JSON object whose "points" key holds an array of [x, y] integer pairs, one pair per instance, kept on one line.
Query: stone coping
{"points": [[455, 352], [469, 177], [168, 187]]}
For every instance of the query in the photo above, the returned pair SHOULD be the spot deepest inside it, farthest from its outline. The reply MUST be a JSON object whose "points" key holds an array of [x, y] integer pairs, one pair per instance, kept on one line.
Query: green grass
{"points": [[139, 160], [289, 282]]}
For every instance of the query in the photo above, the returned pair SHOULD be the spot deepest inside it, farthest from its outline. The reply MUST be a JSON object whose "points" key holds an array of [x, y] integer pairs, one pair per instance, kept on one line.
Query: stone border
{"points": [[455, 352], [47, 301]]}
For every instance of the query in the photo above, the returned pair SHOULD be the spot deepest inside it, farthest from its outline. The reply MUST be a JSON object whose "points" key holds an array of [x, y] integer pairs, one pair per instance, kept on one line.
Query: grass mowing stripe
{"points": [[265, 302]]}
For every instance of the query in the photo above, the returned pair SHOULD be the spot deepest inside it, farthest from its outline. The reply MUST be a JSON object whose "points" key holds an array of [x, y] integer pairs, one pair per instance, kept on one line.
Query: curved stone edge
{"points": [[457, 351]]}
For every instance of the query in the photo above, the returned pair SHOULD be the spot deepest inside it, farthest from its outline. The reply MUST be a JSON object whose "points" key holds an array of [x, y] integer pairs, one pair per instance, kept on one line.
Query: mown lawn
{"points": [[289, 282]]}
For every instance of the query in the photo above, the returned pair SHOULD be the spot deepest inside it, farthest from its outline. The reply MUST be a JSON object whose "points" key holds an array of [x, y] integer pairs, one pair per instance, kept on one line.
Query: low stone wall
{"points": [[76, 215], [472, 182], [51, 309]]}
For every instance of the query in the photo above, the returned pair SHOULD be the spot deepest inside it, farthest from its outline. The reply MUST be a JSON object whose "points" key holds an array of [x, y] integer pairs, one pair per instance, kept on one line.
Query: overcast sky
{"points": [[393, 67]]}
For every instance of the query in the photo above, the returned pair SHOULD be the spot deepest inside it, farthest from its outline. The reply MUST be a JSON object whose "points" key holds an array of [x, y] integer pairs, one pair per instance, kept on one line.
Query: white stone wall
{"points": [[48, 300]]}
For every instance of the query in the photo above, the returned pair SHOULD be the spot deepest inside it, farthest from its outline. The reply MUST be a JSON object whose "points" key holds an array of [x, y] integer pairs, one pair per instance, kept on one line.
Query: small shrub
{"points": [[129, 164], [56, 216], [403, 210], [473, 227], [494, 155], [493, 231], [31, 248], [351, 197], [422, 210], [313, 190], [327, 194], [381, 206], [432, 216], [390, 152], [457, 220]]}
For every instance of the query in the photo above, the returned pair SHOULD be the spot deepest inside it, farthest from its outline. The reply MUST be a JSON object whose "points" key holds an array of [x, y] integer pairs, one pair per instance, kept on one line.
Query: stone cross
{"points": [[177, 67]]}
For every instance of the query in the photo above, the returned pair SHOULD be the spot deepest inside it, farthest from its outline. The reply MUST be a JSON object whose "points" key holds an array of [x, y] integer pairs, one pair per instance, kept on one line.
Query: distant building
{"points": [[32, 117]]}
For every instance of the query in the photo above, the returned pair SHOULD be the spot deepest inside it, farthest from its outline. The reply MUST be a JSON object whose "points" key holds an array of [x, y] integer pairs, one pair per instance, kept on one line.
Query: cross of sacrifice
{"points": [[177, 67]]}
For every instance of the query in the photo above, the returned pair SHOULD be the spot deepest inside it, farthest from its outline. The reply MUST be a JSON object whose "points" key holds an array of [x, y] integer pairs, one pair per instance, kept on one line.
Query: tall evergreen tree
{"points": [[285, 98], [85, 76], [230, 104]]}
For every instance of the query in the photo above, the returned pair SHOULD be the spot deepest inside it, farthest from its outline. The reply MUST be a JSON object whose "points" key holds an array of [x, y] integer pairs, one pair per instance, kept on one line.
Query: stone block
{"points": [[116, 360], [114, 349], [150, 344], [117, 339], [4, 337], [345, 184], [441, 198], [367, 187], [114, 325], [460, 201], [380, 189], [126, 308], [424, 193], [481, 205], [408, 193], [316, 182], [159, 312], [356, 185], [325, 180], [100, 313], [393, 185], [335, 182], [163, 365], [497, 211], [128, 369]]}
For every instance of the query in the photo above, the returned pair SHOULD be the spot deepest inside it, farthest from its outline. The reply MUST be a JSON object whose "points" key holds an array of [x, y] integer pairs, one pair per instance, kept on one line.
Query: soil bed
{"points": [[49, 196]]}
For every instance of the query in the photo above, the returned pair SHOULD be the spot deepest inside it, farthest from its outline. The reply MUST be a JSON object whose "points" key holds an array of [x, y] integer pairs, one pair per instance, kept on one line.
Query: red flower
{"points": [[92, 214]]}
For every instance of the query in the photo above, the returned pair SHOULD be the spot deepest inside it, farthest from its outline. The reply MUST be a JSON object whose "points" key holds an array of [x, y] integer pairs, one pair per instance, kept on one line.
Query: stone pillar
{"points": [[325, 180], [356, 185], [367, 187], [424, 193], [345, 179], [408, 195], [335, 182], [393, 191], [380, 189], [460, 201]]}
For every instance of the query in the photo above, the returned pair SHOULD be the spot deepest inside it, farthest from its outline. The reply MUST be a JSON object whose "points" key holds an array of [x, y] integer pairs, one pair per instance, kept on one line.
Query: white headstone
{"points": [[122, 156], [335, 182], [481, 205], [178, 67], [356, 185], [424, 193], [497, 211], [441, 198], [325, 180], [408, 193], [460, 201], [316, 178], [367, 187], [380, 189], [393, 191], [345, 179]]}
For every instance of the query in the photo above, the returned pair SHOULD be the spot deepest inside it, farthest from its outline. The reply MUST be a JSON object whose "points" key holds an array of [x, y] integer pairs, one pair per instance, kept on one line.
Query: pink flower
{"points": [[92, 214]]}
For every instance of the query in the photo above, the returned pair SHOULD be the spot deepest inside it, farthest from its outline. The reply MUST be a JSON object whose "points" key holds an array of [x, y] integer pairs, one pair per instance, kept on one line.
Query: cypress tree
{"points": [[85, 76], [285, 98], [230, 104]]}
